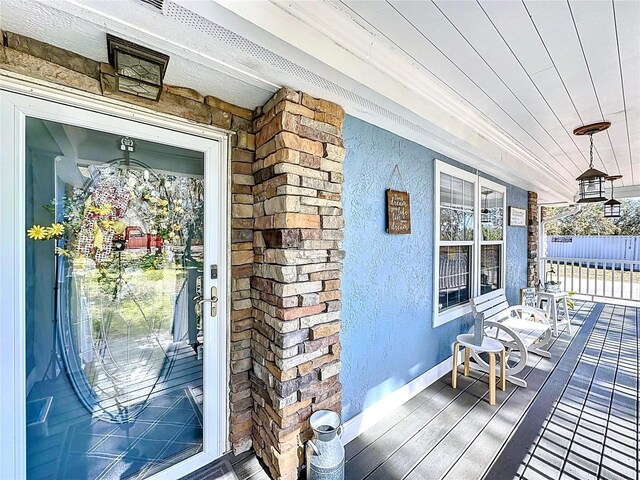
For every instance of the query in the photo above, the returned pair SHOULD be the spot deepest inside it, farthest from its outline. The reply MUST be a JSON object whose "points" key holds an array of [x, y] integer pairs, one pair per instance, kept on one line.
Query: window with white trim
{"points": [[469, 240]]}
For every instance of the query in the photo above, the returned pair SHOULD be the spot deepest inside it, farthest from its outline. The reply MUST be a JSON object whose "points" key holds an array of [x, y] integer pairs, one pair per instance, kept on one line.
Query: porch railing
{"points": [[598, 277]]}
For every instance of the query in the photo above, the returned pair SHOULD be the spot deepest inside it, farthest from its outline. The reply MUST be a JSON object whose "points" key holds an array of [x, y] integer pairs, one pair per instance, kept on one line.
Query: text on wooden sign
{"points": [[398, 212]]}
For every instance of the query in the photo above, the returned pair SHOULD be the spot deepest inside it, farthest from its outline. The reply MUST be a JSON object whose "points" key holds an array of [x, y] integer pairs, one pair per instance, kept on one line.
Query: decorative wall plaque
{"points": [[398, 212], [517, 217], [528, 297]]}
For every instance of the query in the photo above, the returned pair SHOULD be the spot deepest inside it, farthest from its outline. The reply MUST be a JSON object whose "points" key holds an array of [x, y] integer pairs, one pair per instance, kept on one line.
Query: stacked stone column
{"points": [[295, 288], [532, 240], [242, 157]]}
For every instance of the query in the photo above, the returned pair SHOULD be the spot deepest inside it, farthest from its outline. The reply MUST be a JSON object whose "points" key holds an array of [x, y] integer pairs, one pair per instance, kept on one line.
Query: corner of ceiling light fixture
{"points": [[139, 70], [591, 183]]}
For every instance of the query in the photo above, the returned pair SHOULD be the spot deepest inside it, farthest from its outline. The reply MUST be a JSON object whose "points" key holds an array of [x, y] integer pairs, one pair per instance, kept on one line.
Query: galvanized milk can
{"points": [[325, 452]]}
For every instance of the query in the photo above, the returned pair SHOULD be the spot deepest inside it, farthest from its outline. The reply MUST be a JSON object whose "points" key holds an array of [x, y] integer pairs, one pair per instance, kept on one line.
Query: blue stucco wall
{"points": [[387, 286]]}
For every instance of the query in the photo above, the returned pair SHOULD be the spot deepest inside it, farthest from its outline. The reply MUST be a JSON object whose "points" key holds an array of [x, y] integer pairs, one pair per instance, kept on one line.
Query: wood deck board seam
{"points": [[431, 417], [595, 334], [478, 401], [505, 404], [435, 415], [560, 396], [440, 412], [595, 373], [591, 307], [441, 385], [624, 318], [567, 386]]}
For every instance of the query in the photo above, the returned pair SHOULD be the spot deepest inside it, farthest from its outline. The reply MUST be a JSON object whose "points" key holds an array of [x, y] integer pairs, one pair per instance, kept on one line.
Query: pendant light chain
{"points": [[591, 151]]}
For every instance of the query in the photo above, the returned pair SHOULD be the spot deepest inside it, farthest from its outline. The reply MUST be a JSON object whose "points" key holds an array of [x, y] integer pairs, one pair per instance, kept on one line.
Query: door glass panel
{"points": [[114, 335]]}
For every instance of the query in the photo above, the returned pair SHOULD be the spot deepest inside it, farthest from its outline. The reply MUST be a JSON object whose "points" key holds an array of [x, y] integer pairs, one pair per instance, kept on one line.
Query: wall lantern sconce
{"points": [[612, 207], [591, 182], [139, 70]]}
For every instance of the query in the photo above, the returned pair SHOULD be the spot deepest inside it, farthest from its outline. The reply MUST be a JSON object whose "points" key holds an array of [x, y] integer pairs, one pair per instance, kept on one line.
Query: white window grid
{"points": [[451, 313]]}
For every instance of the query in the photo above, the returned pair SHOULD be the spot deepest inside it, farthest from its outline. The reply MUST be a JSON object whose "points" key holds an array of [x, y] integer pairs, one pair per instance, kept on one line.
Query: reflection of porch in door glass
{"points": [[114, 377]]}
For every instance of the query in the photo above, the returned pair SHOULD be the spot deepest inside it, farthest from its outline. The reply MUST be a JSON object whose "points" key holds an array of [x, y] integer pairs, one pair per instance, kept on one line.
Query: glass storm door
{"points": [[118, 297]]}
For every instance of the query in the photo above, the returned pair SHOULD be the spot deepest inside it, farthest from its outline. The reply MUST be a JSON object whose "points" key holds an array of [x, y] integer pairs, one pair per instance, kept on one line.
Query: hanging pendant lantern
{"points": [[612, 208], [591, 182]]}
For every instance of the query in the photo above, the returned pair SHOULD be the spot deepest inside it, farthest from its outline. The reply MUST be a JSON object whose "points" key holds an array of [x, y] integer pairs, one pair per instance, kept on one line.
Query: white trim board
{"points": [[387, 405]]}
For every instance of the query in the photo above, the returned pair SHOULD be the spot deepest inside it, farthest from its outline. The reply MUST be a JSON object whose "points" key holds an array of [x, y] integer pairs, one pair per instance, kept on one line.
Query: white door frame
{"points": [[19, 99]]}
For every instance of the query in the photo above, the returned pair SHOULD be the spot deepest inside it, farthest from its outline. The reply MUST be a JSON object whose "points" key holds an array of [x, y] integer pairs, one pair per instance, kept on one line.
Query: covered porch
{"points": [[293, 210], [576, 419]]}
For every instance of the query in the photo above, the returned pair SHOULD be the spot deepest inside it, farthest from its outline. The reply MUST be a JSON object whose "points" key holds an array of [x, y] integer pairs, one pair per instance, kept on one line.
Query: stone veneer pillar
{"points": [[295, 346], [532, 240]]}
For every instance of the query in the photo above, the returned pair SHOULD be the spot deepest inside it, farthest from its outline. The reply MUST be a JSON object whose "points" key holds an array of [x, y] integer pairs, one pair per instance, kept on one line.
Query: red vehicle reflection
{"points": [[135, 238]]}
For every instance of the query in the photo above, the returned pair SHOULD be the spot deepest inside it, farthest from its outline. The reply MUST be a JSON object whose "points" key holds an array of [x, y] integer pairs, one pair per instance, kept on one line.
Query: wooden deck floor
{"points": [[578, 417], [584, 422], [455, 434]]}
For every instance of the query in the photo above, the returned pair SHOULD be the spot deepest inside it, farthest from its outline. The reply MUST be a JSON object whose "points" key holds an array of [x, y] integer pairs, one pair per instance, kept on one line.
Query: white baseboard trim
{"points": [[385, 406]]}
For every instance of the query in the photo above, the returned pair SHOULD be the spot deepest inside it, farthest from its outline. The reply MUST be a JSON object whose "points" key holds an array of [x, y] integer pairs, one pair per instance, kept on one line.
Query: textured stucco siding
{"points": [[387, 336], [517, 246]]}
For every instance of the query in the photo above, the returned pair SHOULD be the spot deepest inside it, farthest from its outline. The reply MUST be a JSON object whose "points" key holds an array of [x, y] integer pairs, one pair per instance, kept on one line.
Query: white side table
{"points": [[490, 346], [552, 299]]}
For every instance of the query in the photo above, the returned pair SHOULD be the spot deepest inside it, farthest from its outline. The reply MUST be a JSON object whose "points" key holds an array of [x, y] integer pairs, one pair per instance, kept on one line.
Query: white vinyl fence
{"points": [[600, 277]]}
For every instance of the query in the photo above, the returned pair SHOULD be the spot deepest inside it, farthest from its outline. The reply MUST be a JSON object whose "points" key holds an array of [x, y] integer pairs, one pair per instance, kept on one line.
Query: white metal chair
{"points": [[520, 328]]}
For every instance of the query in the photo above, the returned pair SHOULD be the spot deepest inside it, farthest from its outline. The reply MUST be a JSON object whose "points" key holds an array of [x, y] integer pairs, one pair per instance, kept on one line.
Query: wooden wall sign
{"points": [[398, 212]]}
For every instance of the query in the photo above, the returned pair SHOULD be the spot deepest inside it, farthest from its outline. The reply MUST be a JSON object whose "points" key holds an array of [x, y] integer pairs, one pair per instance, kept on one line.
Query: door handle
{"points": [[213, 301]]}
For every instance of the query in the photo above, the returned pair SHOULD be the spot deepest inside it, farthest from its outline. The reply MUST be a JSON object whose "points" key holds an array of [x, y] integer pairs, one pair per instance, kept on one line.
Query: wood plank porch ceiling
{"points": [[535, 69]]}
